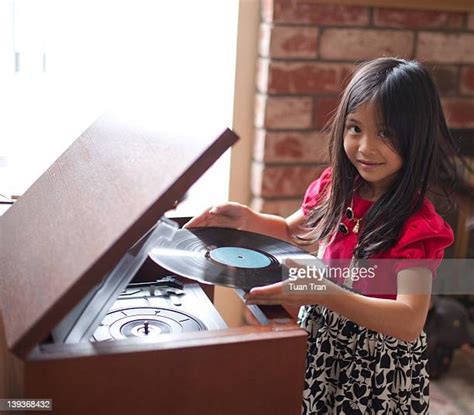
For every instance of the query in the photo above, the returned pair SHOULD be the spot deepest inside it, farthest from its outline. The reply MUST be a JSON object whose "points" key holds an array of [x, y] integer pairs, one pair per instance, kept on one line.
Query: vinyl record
{"points": [[224, 256]]}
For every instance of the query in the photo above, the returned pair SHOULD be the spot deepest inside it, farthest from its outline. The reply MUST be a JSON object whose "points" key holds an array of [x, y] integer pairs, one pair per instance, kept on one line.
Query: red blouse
{"points": [[425, 235]]}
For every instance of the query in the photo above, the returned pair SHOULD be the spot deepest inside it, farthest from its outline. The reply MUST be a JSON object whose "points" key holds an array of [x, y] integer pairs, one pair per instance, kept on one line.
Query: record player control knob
{"points": [[145, 324]]}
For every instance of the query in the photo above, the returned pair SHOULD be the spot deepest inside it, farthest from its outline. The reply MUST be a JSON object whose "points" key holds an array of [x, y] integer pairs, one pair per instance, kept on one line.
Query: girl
{"points": [[389, 147]]}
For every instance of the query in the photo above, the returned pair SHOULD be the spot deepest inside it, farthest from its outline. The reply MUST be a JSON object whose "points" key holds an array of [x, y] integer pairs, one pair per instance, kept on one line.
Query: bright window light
{"points": [[65, 62]]}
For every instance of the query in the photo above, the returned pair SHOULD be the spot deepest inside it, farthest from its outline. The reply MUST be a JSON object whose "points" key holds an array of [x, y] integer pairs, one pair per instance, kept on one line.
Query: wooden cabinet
{"points": [[68, 234]]}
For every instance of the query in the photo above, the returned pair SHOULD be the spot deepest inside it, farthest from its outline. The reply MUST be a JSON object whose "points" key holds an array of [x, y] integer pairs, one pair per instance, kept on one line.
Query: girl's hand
{"points": [[228, 215], [278, 293], [290, 293], [281, 293]]}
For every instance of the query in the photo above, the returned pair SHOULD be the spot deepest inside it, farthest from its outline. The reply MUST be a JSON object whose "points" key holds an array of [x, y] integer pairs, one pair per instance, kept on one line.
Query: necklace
{"points": [[351, 216]]}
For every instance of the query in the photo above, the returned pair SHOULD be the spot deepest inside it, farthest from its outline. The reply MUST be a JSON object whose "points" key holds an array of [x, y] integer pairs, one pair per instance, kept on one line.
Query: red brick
{"points": [[284, 112], [470, 21], [445, 47], [297, 11], [307, 78], [350, 44], [417, 19], [282, 181], [282, 207], [293, 146], [324, 108], [445, 77], [467, 80], [459, 112], [288, 41]]}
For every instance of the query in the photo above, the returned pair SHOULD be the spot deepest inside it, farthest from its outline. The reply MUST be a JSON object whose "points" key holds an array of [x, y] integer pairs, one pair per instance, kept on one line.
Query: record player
{"points": [[88, 321]]}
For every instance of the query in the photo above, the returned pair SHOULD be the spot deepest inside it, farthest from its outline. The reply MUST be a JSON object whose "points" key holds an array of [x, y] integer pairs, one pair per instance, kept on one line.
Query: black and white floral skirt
{"points": [[353, 370]]}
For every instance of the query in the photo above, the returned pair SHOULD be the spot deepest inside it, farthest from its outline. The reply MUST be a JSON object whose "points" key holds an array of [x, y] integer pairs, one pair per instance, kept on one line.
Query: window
{"points": [[63, 63]]}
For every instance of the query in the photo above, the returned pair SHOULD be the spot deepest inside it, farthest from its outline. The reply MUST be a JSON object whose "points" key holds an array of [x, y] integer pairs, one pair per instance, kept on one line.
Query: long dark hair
{"points": [[407, 102]]}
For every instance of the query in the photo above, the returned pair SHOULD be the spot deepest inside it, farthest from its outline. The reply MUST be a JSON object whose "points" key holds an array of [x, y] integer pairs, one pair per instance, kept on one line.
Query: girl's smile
{"points": [[369, 165]]}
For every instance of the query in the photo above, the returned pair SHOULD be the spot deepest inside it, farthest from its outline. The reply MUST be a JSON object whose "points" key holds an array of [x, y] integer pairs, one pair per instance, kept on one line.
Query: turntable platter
{"points": [[145, 322]]}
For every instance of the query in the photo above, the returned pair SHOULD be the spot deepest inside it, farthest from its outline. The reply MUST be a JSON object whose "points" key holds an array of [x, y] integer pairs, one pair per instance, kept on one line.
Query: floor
{"points": [[453, 394]]}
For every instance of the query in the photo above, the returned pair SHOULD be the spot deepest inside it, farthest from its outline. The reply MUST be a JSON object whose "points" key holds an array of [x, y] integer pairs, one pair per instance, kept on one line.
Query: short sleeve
{"points": [[315, 190], [423, 242]]}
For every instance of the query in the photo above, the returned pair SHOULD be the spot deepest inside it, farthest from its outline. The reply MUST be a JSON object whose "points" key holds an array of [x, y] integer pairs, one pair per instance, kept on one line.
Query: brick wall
{"points": [[306, 53]]}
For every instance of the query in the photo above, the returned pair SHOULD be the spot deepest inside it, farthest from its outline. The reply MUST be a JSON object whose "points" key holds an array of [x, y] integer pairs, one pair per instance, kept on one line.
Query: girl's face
{"points": [[369, 149]]}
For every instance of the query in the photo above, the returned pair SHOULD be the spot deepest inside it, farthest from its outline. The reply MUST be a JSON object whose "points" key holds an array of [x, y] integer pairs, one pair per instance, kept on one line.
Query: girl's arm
{"points": [[273, 225], [235, 215], [403, 318]]}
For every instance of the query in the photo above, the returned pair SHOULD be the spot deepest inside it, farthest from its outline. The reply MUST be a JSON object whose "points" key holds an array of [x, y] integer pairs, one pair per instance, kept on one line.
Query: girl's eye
{"points": [[384, 134], [353, 129]]}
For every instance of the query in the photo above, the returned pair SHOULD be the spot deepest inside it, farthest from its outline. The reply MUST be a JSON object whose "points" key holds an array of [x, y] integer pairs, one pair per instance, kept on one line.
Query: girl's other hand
{"points": [[228, 215]]}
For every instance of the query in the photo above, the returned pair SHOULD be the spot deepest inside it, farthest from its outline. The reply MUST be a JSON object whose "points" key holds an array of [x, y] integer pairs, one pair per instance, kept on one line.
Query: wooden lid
{"points": [[80, 217]]}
